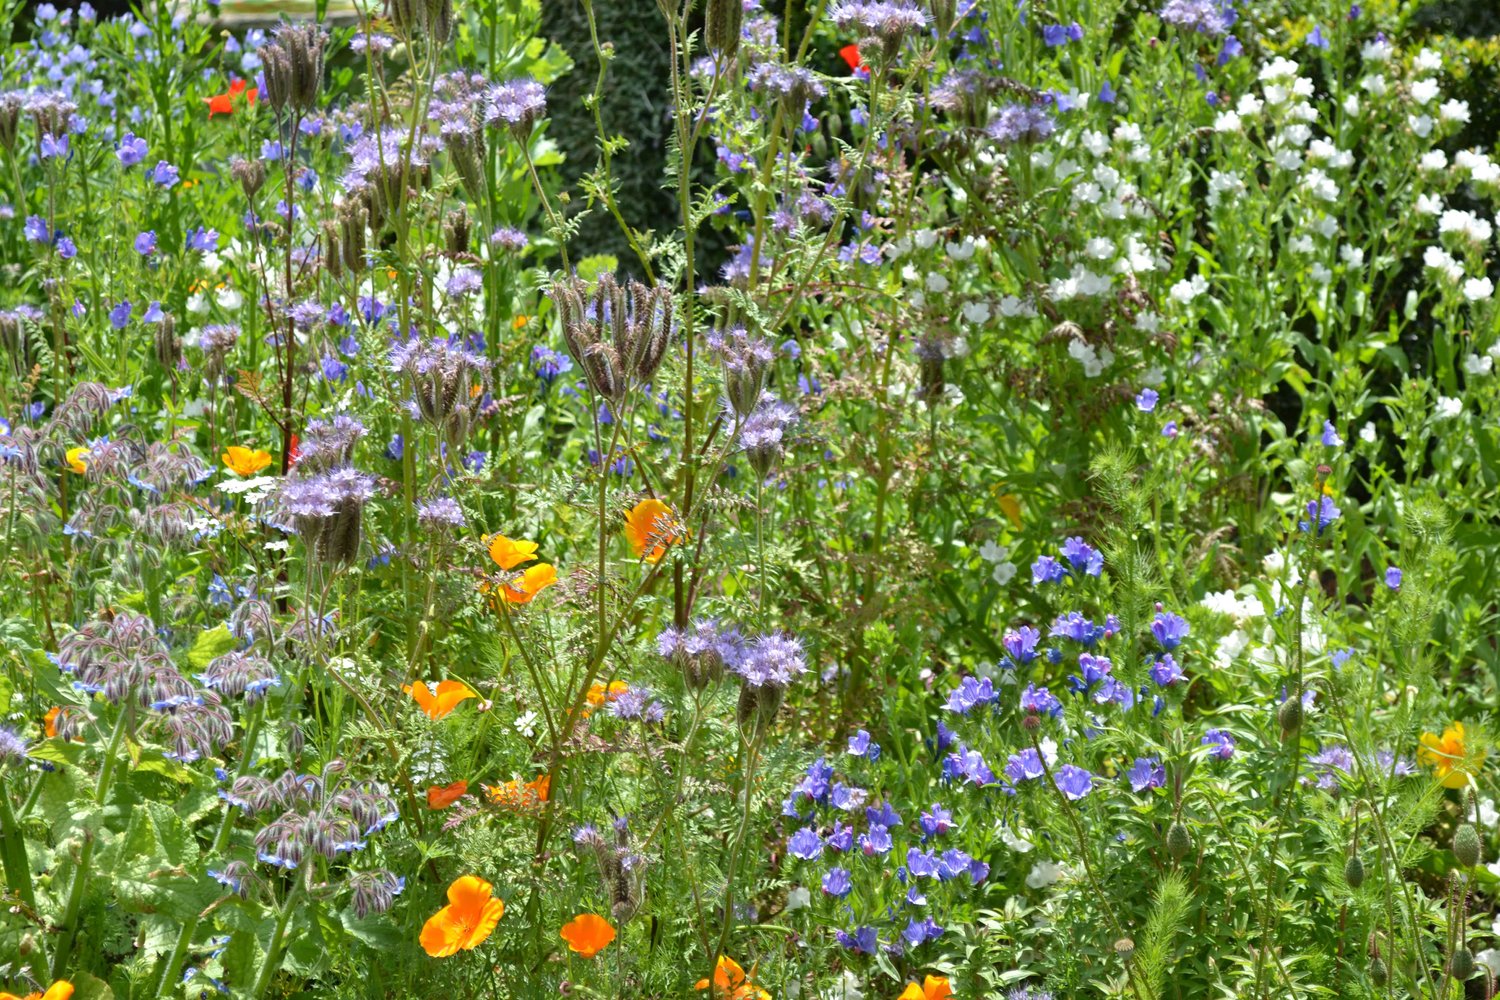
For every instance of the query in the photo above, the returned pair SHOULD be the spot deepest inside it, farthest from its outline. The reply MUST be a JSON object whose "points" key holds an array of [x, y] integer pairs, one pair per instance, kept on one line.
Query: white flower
{"points": [[1440, 260], [1428, 61], [962, 250], [1351, 105], [937, 282], [1227, 121], [1094, 141], [1288, 159], [798, 898], [1478, 289], [1320, 274], [976, 312], [1352, 256], [1155, 375], [1375, 51], [526, 724], [1127, 133], [1320, 185], [1467, 224], [1088, 193], [1429, 204], [1003, 573], [1011, 307], [1148, 322], [1248, 105], [1433, 161], [197, 304], [1302, 244], [1043, 874], [1374, 85], [229, 299], [1015, 840], [1490, 957], [1424, 91], [991, 551], [1421, 125], [1447, 408], [1280, 68], [1326, 226], [1099, 248], [1454, 111], [1107, 176], [1478, 364], [260, 486], [845, 988], [925, 239], [1187, 290], [1367, 432]]}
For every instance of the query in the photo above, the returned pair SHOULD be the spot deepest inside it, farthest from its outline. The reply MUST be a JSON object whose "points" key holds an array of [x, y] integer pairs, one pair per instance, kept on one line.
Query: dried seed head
{"points": [[722, 23], [250, 174]]}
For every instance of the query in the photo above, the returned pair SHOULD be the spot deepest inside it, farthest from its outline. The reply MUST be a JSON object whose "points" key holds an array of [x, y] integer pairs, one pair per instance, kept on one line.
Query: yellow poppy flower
{"points": [[509, 553], [466, 922], [245, 461], [1449, 757], [651, 527], [441, 704], [76, 462]]}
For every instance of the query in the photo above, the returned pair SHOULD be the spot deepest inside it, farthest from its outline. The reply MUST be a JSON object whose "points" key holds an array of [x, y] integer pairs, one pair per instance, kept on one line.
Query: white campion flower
{"points": [[1456, 112], [1435, 258], [1478, 364], [925, 239], [798, 899], [1150, 322], [1374, 85], [993, 552], [976, 312], [1188, 289], [1067, 168], [1099, 248], [1107, 176], [1433, 161], [1302, 244], [1326, 226], [1447, 408], [1428, 61], [1320, 274], [1376, 51], [1248, 105], [1466, 224], [1424, 91], [1421, 125], [1478, 289], [962, 250], [937, 282], [1288, 159], [1228, 121], [1320, 185], [1352, 255], [1280, 68], [1012, 307], [1428, 204], [1088, 193], [1367, 432], [1127, 133], [1044, 874], [1351, 105], [1003, 573], [1094, 141]]}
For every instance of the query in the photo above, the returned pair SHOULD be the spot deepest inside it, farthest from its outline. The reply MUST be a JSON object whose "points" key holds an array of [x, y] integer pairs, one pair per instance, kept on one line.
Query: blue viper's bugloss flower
{"points": [[805, 844], [1166, 671], [840, 838], [1054, 35], [120, 315], [1393, 577], [1331, 437], [145, 243], [1169, 629], [1024, 766], [1082, 555], [968, 765], [1317, 39], [921, 864], [862, 942], [1222, 743], [970, 693], [1040, 701], [875, 841], [36, 229], [883, 816], [1073, 781], [130, 150], [549, 364], [953, 863], [205, 240], [860, 745], [1323, 510], [936, 821], [943, 737], [1169, 430], [1047, 570], [1020, 644], [163, 174], [837, 883], [1146, 773], [1145, 400], [919, 931], [847, 797], [1080, 629]]}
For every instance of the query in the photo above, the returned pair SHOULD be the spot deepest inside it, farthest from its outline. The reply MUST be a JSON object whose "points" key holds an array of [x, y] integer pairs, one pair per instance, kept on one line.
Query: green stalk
{"points": [[13, 854], [273, 952]]}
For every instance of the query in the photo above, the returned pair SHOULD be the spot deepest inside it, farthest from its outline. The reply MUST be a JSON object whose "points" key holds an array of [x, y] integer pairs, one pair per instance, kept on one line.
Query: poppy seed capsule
{"points": [[1179, 841], [1466, 846], [721, 27], [1290, 716], [1354, 872]]}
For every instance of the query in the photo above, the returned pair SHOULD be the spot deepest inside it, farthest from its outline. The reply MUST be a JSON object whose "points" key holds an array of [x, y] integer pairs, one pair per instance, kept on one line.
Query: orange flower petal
{"points": [[443, 796], [650, 527], [509, 553], [587, 934]]}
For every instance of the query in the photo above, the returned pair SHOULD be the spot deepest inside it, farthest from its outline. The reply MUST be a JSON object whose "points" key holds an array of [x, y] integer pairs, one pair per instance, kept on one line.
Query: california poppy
{"points": [[439, 705], [523, 588], [731, 982], [245, 461], [443, 796], [599, 693], [932, 988], [223, 104], [466, 922], [1449, 757], [60, 990], [587, 934], [518, 796], [850, 54], [651, 526], [76, 458], [509, 553], [49, 721]]}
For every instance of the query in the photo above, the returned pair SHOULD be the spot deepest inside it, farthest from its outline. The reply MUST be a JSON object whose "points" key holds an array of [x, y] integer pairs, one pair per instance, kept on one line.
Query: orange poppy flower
{"points": [[530, 583], [439, 705], [731, 982], [443, 796], [49, 721], [587, 934], [509, 553], [1449, 757], [245, 461], [223, 104], [60, 990], [519, 323], [466, 922], [850, 55], [651, 526], [518, 796], [932, 988]]}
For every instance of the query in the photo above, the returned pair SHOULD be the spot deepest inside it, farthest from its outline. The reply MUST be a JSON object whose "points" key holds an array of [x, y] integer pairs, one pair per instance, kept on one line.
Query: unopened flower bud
{"points": [[1179, 841], [1466, 846]]}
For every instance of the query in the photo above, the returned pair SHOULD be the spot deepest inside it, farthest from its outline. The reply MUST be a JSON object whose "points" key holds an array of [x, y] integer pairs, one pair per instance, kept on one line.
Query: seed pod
{"points": [[721, 28], [1290, 715], [1125, 948], [1354, 872], [251, 174], [456, 232], [165, 345], [1179, 841], [1466, 846], [11, 105], [332, 255], [1461, 964]]}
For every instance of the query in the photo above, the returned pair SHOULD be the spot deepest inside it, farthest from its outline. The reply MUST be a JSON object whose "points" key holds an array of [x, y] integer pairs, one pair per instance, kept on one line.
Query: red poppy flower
{"points": [[850, 54], [222, 104]]}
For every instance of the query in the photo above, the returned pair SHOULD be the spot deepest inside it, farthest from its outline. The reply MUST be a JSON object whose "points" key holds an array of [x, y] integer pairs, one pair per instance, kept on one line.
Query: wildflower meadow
{"points": [[1016, 514]]}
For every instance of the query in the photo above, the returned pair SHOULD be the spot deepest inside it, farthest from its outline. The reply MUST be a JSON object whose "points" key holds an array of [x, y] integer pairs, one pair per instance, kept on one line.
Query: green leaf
{"points": [[210, 645]]}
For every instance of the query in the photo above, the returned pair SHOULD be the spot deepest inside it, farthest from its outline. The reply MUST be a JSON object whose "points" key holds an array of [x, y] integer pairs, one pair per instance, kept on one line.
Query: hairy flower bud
{"points": [[722, 23], [1466, 845], [1354, 872], [1461, 964], [1179, 841], [1290, 716]]}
